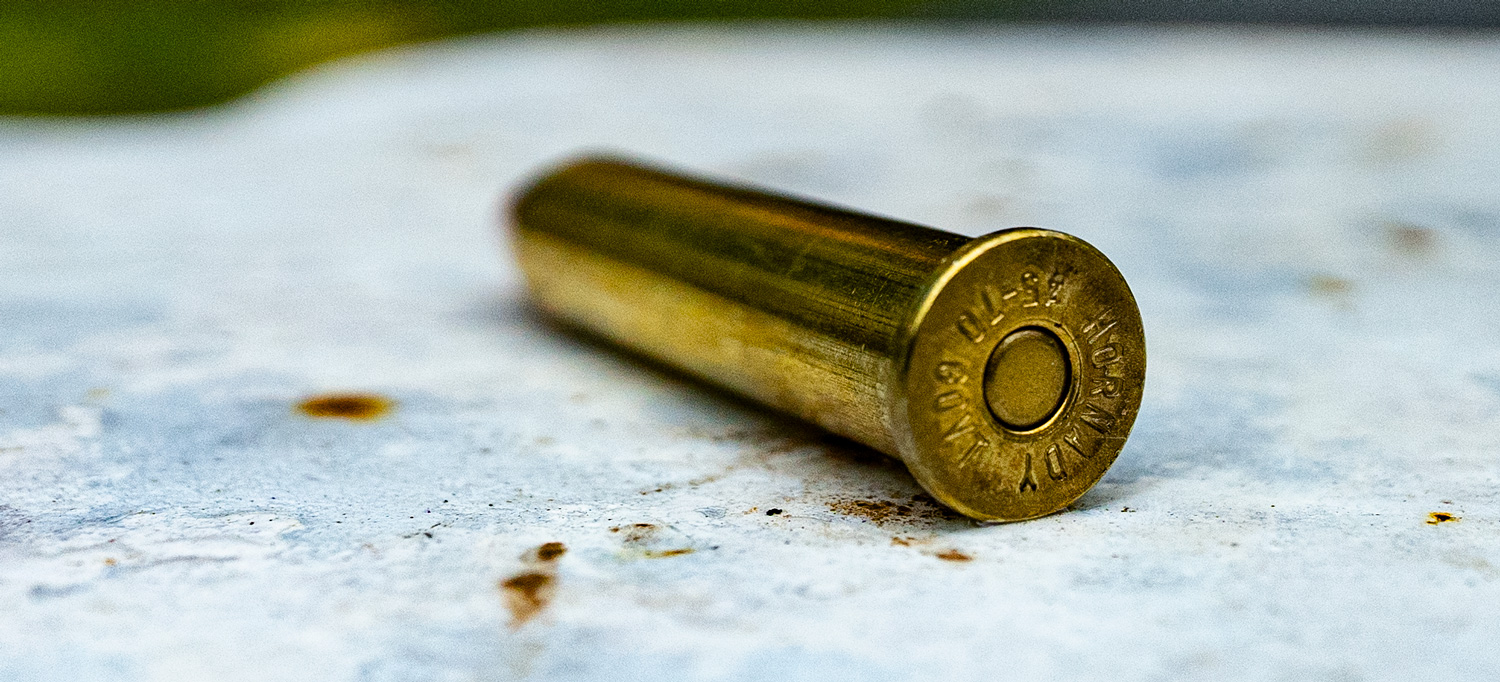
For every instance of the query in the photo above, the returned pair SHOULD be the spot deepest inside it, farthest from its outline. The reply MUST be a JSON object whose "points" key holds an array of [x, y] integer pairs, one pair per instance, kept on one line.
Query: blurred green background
{"points": [[118, 56], [122, 56]]}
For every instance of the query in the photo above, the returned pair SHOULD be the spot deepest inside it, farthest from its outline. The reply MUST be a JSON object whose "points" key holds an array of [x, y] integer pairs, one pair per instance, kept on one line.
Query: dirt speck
{"points": [[773, 512], [1435, 518], [352, 406], [953, 555], [526, 594], [665, 553], [110, 562]]}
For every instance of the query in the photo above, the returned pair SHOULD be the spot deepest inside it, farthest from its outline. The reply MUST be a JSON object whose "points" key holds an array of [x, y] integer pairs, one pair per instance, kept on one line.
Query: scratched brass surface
{"points": [[1005, 371]]}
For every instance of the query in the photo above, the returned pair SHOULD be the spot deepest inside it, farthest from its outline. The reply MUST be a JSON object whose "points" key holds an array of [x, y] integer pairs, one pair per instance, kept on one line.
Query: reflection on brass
{"points": [[1005, 371]]}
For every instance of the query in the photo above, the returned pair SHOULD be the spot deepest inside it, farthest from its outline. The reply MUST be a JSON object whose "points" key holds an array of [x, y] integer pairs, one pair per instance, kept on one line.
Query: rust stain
{"points": [[636, 533], [919, 509], [549, 551], [1328, 285], [645, 540], [953, 555], [878, 511], [352, 406], [526, 594], [1435, 518], [1411, 240]]}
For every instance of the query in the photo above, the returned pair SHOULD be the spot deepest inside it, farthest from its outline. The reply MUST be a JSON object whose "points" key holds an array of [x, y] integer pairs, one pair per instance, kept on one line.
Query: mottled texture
{"points": [[1309, 221]]}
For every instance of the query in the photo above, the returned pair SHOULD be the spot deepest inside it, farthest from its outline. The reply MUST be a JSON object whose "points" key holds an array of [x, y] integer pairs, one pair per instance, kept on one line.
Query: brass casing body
{"points": [[878, 330]]}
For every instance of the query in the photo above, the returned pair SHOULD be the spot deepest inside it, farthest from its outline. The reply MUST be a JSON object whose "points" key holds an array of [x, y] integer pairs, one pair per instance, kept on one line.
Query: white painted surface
{"points": [[1310, 222]]}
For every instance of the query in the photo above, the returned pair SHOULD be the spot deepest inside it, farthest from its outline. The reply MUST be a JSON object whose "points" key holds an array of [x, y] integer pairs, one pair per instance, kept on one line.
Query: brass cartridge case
{"points": [[1005, 371]]}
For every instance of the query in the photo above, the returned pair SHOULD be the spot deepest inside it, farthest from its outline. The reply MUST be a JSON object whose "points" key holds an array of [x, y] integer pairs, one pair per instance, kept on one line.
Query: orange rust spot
{"points": [[664, 553], [954, 555], [526, 595], [110, 561], [551, 551], [355, 406], [1435, 518]]}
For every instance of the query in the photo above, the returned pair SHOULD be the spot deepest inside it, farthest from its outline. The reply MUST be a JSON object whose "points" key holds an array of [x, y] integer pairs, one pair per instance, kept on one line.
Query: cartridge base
{"points": [[1009, 438]]}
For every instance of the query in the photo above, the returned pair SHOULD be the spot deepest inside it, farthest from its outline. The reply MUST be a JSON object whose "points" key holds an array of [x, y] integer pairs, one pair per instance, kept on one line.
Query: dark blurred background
{"points": [[122, 56]]}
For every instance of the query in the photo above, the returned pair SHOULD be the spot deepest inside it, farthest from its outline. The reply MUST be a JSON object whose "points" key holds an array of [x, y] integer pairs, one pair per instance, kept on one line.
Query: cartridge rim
{"points": [[950, 434]]}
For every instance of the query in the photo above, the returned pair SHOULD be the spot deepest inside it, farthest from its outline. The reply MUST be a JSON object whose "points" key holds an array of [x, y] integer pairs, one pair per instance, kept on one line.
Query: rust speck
{"points": [[664, 553], [1435, 518], [550, 551], [954, 555], [921, 509], [355, 406], [110, 562], [526, 595], [879, 511], [636, 533]]}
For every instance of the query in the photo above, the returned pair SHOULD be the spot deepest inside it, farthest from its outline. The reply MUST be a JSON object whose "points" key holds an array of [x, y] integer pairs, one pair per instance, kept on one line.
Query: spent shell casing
{"points": [[1005, 371]]}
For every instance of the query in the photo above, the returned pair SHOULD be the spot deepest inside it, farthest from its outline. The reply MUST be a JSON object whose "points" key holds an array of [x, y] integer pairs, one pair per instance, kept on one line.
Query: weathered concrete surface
{"points": [[1310, 222]]}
